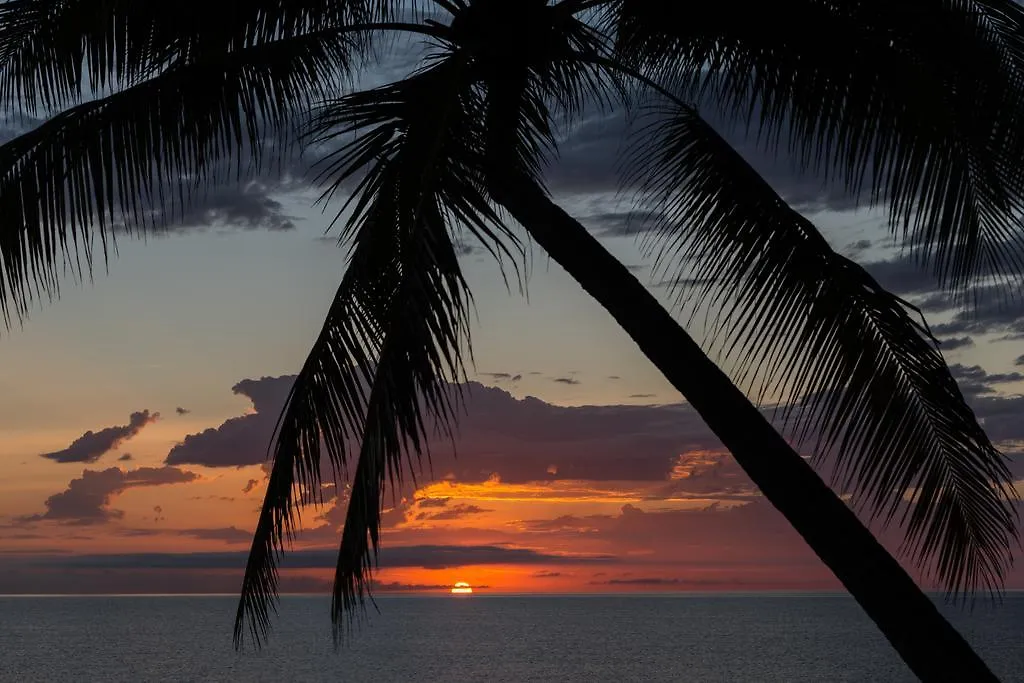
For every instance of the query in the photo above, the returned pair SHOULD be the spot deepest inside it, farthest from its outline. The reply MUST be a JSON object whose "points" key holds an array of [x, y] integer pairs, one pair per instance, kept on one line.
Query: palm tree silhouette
{"points": [[910, 106]]}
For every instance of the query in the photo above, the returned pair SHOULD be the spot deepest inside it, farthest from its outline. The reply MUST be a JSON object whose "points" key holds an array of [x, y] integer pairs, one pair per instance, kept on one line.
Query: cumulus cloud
{"points": [[240, 440], [87, 498], [91, 446], [518, 439]]}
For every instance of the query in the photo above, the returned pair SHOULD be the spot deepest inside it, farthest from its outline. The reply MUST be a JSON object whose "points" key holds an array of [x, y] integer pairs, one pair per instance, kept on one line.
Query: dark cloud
{"points": [[125, 457], [432, 502], [398, 587], [499, 434], [642, 581], [182, 411], [952, 343], [566, 380], [1019, 361], [497, 375], [87, 499], [528, 440], [248, 206], [229, 534], [547, 575], [91, 446], [903, 274], [641, 395], [974, 380], [590, 155], [421, 556], [990, 312], [250, 485], [621, 223], [452, 512], [241, 440]]}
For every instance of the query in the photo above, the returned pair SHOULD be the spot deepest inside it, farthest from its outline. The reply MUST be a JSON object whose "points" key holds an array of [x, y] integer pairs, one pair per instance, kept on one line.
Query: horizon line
{"points": [[438, 593]]}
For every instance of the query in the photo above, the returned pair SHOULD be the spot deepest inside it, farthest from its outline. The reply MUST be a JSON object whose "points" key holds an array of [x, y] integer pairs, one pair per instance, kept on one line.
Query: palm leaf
{"points": [[52, 52], [149, 146], [918, 115], [795, 316], [399, 324]]}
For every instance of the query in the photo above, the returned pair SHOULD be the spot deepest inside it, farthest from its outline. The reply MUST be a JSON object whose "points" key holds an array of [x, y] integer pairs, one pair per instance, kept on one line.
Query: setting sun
{"points": [[461, 588]]}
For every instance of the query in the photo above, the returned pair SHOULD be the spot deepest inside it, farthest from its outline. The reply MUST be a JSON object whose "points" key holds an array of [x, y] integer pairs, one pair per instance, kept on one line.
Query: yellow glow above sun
{"points": [[461, 588]]}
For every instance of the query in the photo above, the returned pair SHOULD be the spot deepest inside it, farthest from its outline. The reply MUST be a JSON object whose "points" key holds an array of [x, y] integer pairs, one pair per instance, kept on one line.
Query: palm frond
{"points": [[53, 52], [527, 58], [151, 145], [401, 322], [911, 105], [324, 413], [794, 316]]}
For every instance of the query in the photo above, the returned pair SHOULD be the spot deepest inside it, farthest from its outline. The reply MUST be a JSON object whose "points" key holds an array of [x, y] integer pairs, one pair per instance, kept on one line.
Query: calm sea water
{"points": [[479, 638]]}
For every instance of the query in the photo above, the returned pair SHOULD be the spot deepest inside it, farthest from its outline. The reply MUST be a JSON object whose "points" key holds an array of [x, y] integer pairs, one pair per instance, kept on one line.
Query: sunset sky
{"points": [[136, 413]]}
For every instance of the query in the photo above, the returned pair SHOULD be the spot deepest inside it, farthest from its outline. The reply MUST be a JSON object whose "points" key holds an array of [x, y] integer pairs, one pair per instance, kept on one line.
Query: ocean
{"points": [[760, 638]]}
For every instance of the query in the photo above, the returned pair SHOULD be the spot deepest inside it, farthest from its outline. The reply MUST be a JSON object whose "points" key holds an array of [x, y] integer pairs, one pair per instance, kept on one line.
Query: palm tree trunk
{"points": [[929, 645]]}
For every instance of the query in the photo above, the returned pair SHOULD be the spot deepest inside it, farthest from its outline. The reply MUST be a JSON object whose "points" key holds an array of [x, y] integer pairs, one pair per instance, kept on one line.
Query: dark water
{"points": [[572, 638]]}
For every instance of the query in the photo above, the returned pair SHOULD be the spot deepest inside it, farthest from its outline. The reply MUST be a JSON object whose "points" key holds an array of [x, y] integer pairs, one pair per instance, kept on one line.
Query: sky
{"points": [[137, 410]]}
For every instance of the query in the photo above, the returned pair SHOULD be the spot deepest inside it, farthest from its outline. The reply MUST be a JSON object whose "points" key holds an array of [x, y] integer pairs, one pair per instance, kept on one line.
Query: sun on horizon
{"points": [[461, 588]]}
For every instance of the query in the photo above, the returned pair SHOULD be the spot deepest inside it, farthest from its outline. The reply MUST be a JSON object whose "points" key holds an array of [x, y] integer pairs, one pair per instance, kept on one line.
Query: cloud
{"points": [[517, 439], [1019, 361], [903, 274], [242, 440], [621, 223], [590, 155], [87, 498], [91, 446], [497, 375], [452, 512], [642, 581], [991, 313], [250, 485], [566, 380], [974, 380], [182, 411], [858, 246], [953, 343], [229, 534], [399, 587], [248, 206], [125, 457], [421, 556], [432, 502]]}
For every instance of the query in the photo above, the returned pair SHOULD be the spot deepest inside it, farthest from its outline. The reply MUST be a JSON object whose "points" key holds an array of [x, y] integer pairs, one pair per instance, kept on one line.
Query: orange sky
{"points": [[540, 498]]}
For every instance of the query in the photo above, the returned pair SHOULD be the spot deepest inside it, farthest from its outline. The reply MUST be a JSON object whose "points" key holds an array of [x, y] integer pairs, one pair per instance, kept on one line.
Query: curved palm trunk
{"points": [[932, 648]]}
